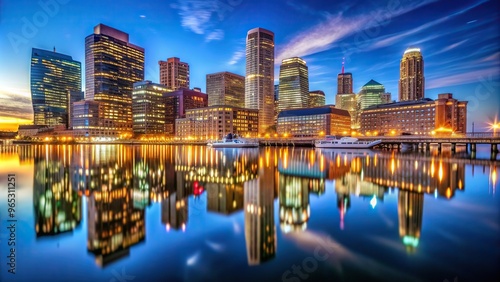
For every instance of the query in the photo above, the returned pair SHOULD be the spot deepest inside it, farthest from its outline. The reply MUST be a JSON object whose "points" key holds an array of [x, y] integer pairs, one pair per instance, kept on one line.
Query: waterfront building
{"points": [[316, 98], [88, 119], [52, 76], [174, 74], [411, 75], [148, 108], [226, 88], [425, 116], [319, 121], [176, 104], [112, 65], [293, 84], [217, 121], [259, 77]]}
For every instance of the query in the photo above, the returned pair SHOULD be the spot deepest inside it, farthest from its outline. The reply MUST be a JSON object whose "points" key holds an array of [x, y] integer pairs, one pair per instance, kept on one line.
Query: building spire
{"points": [[343, 62]]}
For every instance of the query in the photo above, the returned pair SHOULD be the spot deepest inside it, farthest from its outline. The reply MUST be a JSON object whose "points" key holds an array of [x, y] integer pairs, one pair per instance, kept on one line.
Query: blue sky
{"points": [[458, 40]]}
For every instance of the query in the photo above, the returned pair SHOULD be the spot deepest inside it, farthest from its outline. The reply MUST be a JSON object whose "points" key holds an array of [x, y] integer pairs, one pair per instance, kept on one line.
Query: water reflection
{"points": [[119, 182]]}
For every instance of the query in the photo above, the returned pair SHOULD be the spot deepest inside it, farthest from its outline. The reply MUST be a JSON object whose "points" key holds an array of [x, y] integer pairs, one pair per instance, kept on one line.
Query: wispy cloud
{"points": [[15, 104], [217, 34], [202, 16], [237, 56], [460, 78], [323, 36], [303, 8]]}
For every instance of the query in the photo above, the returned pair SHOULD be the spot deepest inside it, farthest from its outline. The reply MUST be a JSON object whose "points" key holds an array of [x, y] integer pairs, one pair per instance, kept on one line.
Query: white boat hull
{"points": [[336, 144], [233, 145]]}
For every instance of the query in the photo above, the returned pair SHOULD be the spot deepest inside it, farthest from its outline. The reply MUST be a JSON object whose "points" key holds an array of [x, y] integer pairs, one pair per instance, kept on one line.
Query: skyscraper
{"points": [[344, 82], [52, 76], [148, 108], [294, 84], [411, 75], [174, 74], [112, 65], [259, 80], [316, 98], [345, 98], [372, 93], [226, 88]]}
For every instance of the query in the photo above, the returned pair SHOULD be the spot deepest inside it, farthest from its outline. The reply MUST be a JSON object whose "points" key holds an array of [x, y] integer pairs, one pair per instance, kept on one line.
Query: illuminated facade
{"points": [[225, 199], [294, 84], [174, 74], [226, 88], [52, 75], [344, 82], [259, 79], [372, 93], [416, 117], [215, 122], [326, 120], [87, 119], [411, 76], [148, 108], [317, 99], [176, 104], [112, 65]]}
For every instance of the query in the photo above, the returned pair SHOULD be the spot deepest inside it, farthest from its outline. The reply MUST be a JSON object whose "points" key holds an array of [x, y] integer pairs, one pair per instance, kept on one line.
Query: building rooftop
{"points": [[329, 109], [372, 83], [400, 104]]}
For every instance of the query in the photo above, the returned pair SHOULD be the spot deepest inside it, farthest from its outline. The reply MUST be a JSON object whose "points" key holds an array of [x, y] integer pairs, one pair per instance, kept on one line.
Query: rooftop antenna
{"points": [[343, 62]]}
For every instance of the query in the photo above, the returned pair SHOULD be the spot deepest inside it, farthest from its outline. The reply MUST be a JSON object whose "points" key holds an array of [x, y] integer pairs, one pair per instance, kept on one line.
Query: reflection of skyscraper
{"points": [[410, 211], [57, 207], [260, 231], [259, 80], [52, 76], [294, 203], [343, 204], [174, 209], [411, 79], [224, 198]]}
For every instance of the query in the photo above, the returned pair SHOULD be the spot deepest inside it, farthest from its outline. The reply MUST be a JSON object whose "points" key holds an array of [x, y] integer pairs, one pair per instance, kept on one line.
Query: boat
{"points": [[345, 142], [233, 141]]}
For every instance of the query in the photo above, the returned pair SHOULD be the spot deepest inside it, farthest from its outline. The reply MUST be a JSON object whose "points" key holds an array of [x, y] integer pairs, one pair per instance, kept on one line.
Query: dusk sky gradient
{"points": [[458, 41]]}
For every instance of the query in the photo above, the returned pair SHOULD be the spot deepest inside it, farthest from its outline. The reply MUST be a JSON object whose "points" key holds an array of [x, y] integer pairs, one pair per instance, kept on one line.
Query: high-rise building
{"points": [[344, 82], [372, 93], [176, 104], [226, 88], [148, 108], [259, 79], [174, 74], [316, 98], [52, 76], [345, 98], [411, 75], [112, 65], [294, 84]]}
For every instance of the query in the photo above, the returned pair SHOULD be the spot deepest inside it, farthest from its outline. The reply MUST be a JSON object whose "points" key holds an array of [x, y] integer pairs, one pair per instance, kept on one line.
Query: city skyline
{"points": [[464, 62]]}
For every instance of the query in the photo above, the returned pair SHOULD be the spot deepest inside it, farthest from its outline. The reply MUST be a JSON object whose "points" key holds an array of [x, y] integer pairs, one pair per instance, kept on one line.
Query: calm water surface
{"points": [[191, 213]]}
